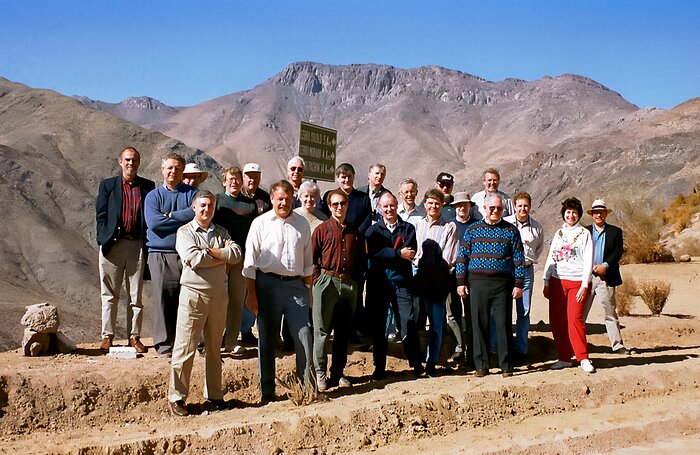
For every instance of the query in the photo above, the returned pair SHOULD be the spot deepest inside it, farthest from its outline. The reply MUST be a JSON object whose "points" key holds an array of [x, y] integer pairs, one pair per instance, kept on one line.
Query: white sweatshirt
{"points": [[570, 255]]}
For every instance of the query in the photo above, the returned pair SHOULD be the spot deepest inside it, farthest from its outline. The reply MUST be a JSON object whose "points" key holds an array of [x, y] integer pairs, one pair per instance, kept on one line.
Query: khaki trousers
{"points": [[125, 259], [198, 311]]}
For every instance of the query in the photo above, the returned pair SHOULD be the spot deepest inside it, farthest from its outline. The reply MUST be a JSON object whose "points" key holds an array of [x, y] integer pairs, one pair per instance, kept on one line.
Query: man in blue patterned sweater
{"points": [[491, 260]]}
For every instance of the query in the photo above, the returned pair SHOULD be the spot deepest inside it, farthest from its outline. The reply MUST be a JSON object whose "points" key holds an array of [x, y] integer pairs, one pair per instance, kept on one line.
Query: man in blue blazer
{"points": [[121, 235], [607, 251]]}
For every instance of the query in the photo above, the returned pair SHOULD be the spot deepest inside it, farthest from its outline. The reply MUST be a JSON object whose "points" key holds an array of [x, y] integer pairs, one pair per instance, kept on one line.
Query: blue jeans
{"points": [[278, 297], [434, 307], [522, 309]]}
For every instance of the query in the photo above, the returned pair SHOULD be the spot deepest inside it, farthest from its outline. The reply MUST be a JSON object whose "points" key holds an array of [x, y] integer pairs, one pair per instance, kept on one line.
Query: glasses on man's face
{"points": [[338, 204], [296, 169], [495, 208], [445, 185]]}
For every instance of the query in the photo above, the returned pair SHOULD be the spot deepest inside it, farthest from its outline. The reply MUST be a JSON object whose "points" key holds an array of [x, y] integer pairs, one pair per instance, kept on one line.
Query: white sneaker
{"points": [[587, 366], [560, 365], [238, 349]]}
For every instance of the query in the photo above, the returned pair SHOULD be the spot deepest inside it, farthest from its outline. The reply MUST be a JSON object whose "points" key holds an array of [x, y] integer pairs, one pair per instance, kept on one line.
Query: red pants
{"points": [[566, 319]]}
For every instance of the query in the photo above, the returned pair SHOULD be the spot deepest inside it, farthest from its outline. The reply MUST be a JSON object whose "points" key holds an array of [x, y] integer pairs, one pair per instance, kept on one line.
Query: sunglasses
{"points": [[338, 204], [296, 169], [494, 208]]}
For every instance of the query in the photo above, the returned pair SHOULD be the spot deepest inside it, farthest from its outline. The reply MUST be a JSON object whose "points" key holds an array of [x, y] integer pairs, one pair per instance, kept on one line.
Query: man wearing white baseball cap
{"points": [[252, 172], [607, 251]]}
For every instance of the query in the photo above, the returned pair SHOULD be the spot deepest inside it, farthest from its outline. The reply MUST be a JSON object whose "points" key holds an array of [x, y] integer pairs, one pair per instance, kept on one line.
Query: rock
{"points": [[41, 317], [685, 258], [64, 344], [35, 343]]}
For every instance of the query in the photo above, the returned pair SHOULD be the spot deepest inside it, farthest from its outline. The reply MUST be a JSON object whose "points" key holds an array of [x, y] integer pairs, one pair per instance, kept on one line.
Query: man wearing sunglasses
{"points": [[445, 183], [295, 176], [337, 248], [491, 262]]}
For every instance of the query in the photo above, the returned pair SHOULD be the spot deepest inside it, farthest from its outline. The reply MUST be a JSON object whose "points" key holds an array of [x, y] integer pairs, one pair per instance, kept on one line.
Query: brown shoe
{"points": [[136, 343], [179, 408], [106, 344], [481, 372]]}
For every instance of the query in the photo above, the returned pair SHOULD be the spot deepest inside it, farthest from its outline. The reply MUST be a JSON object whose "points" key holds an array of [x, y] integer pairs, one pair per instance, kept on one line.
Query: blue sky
{"points": [[185, 52]]}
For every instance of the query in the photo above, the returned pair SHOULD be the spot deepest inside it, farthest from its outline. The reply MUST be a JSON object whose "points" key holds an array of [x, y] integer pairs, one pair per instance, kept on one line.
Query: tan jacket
{"points": [[200, 271]]}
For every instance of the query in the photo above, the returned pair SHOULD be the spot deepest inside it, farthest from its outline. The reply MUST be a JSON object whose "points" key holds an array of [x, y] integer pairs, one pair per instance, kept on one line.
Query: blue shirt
{"points": [[598, 245]]}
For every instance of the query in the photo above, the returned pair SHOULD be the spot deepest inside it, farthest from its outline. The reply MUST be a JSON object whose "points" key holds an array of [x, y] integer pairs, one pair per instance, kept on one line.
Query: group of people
{"points": [[323, 271]]}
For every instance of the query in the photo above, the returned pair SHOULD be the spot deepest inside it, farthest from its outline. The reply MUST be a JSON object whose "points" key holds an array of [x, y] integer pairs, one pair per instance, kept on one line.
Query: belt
{"points": [[283, 277], [340, 276], [130, 237]]}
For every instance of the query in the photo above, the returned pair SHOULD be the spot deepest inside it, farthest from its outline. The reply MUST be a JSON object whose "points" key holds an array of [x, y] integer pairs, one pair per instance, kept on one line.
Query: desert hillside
{"points": [[54, 151]]}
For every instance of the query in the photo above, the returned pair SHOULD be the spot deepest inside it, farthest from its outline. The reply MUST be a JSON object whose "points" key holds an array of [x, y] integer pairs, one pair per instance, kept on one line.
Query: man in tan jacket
{"points": [[204, 250]]}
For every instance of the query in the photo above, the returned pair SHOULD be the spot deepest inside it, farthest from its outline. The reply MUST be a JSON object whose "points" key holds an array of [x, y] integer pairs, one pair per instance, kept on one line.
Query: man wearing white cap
{"points": [[193, 176], [607, 251], [252, 172]]}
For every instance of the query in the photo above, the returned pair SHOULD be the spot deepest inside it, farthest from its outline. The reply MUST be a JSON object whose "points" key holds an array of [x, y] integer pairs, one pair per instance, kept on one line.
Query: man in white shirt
{"points": [[278, 267], [532, 237], [491, 179]]}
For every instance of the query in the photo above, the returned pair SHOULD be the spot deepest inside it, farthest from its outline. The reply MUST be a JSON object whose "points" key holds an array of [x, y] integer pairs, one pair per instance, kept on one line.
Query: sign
{"points": [[317, 148]]}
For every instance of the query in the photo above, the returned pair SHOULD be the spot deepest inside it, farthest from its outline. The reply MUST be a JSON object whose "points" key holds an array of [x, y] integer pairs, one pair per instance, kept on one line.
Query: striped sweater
{"points": [[491, 251]]}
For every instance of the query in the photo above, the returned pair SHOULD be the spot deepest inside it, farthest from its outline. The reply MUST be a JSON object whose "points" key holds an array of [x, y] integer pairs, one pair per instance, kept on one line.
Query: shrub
{"points": [[642, 224], [300, 393], [654, 293], [624, 296]]}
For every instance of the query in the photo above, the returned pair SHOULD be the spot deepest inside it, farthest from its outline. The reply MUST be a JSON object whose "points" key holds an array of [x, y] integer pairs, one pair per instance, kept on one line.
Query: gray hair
{"points": [[310, 188], [491, 197], [294, 159]]}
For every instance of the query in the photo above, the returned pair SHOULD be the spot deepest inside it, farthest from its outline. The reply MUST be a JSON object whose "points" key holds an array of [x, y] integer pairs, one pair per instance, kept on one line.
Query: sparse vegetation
{"points": [[299, 392], [654, 293], [625, 295], [642, 224], [681, 211]]}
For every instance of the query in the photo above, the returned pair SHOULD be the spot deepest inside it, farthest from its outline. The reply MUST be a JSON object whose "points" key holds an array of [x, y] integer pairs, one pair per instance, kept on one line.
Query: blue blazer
{"points": [[108, 210]]}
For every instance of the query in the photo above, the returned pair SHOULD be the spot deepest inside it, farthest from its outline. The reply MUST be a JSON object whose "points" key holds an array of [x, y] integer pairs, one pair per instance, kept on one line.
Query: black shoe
{"points": [[520, 359], [419, 372], [507, 374], [378, 375], [216, 405], [249, 338], [265, 399], [481, 372], [179, 408], [430, 369]]}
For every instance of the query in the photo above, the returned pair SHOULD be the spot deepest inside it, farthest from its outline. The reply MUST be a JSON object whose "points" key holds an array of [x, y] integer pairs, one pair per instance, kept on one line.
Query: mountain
{"points": [[53, 153], [141, 110], [553, 137]]}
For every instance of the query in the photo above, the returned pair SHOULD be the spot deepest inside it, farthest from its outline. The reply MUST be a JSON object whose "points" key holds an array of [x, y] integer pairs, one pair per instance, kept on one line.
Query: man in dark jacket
{"points": [[121, 235], [607, 251], [391, 246]]}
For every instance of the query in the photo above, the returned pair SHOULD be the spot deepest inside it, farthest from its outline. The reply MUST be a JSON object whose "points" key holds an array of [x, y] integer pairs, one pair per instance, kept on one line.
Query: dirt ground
{"points": [[646, 402]]}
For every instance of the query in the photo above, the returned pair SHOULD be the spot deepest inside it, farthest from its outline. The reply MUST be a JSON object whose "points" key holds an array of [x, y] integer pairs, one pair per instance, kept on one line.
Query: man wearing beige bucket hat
{"points": [[607, 251], [193, 176]]}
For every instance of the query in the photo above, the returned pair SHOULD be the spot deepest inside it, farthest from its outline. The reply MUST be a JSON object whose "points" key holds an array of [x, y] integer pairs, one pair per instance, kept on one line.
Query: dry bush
{"points": [[625, 295], [655, 294], [642, 224], [680, 212], [300, 393]]}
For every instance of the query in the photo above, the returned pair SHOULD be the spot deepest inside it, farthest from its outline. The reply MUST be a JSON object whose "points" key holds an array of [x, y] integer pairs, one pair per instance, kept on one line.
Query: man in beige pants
{"points": [[204, 250]]}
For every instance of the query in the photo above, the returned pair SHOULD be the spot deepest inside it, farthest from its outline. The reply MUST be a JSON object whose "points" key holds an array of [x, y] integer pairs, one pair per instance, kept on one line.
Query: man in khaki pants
{"points": [[204, 250]]}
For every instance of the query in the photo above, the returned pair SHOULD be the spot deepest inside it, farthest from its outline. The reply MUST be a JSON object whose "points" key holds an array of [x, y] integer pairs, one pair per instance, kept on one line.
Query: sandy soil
{"points": [[642, 403]]}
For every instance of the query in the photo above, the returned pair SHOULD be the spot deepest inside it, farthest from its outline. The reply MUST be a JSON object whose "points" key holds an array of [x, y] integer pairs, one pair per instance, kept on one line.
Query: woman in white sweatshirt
{"points": [[567, 277]]}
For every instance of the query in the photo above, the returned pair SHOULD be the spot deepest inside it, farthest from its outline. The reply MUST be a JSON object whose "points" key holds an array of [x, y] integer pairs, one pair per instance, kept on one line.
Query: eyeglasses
{"points": [[338, 204], [296, 169], [494, 208], [445, 185]]}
